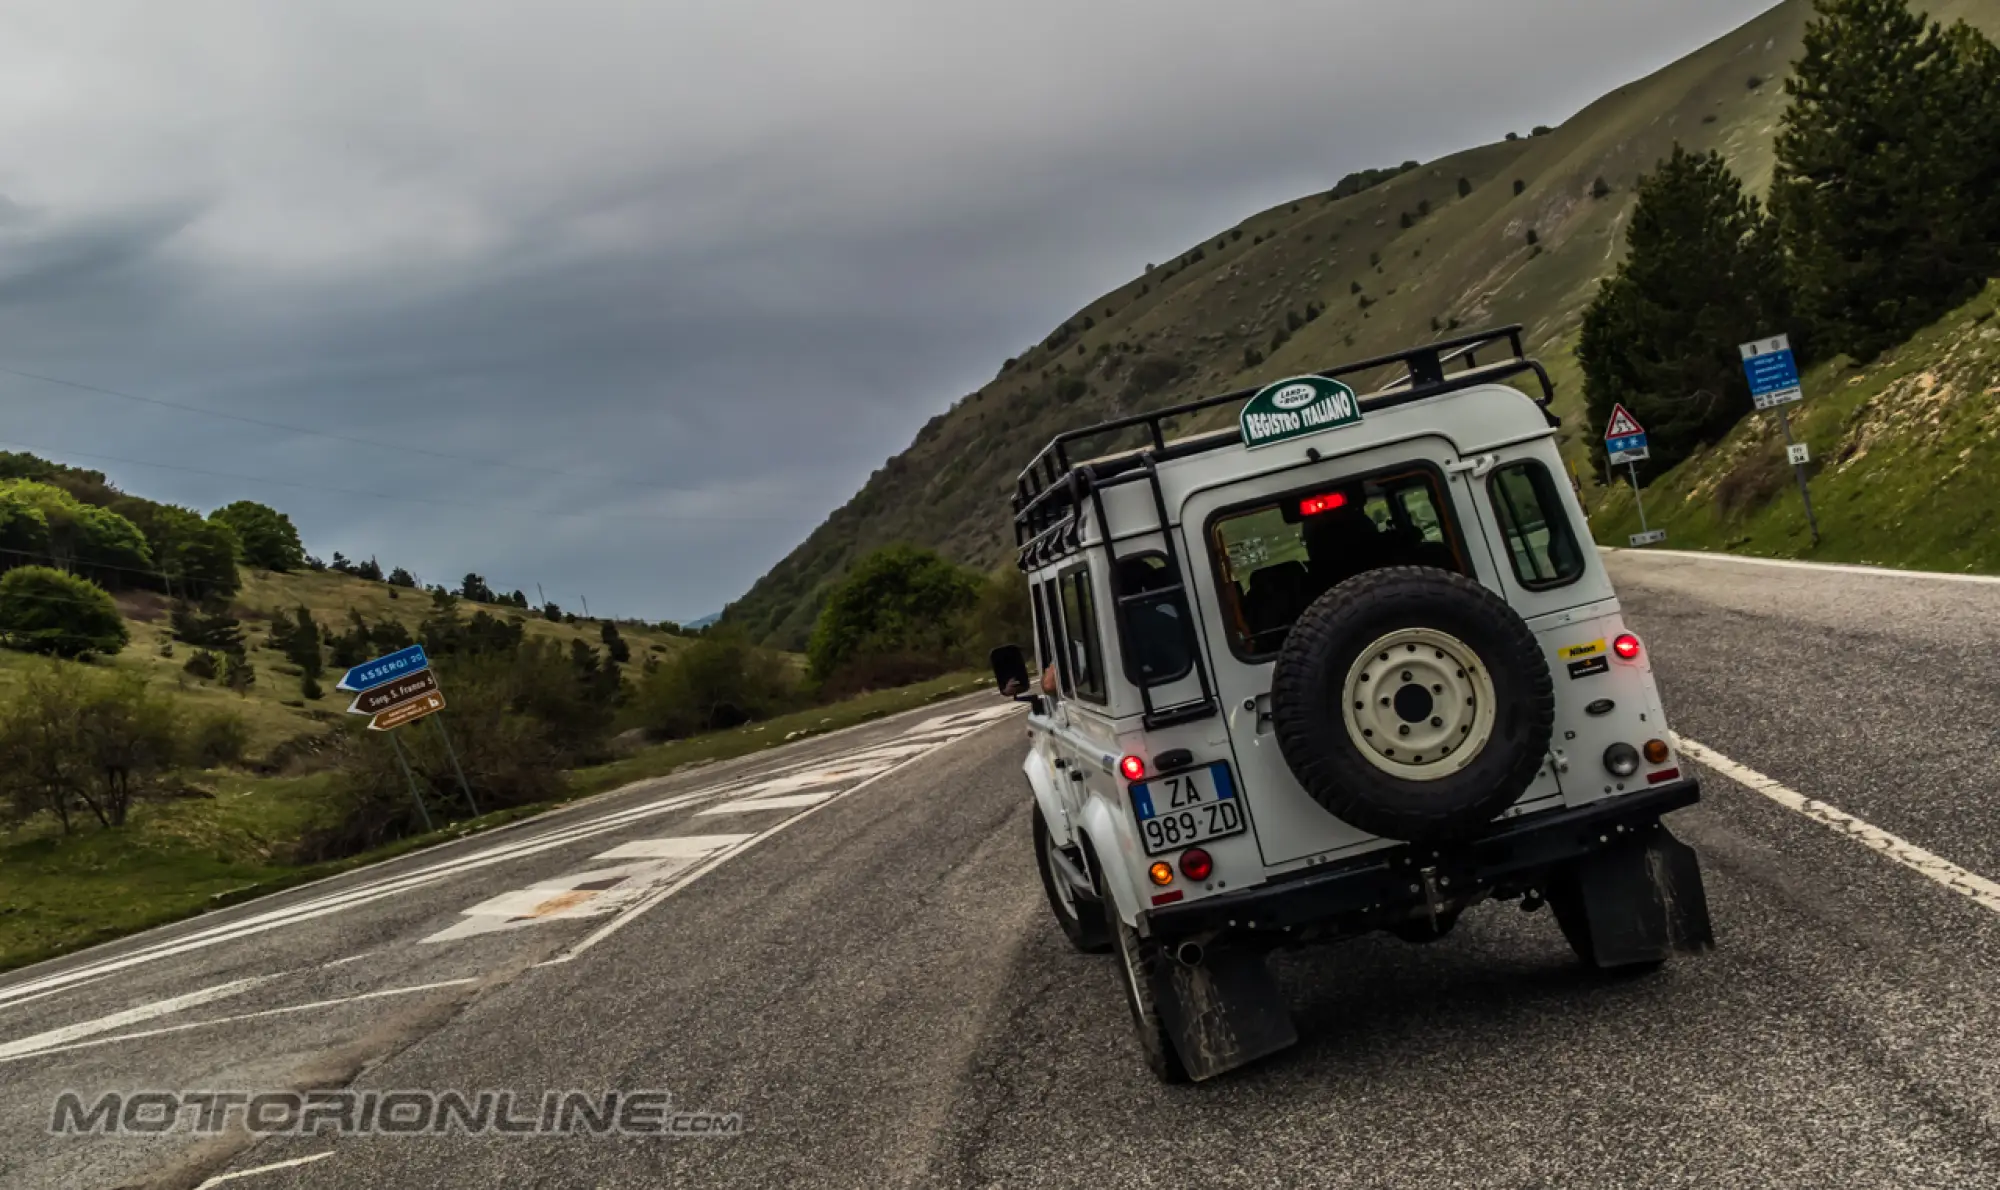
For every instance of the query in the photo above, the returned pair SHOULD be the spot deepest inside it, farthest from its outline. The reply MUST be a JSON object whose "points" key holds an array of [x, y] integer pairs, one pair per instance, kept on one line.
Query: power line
{"points": [[393, 497], [371, 443]]}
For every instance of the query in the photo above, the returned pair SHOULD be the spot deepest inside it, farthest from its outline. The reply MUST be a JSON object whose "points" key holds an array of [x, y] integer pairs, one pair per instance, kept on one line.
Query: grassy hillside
{"points": [[1904, 467], [1180, 330], [272, 708]]}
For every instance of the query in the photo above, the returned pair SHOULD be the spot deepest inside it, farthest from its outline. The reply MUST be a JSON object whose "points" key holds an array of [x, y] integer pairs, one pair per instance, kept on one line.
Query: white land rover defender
{"points": [[1349, 665]]}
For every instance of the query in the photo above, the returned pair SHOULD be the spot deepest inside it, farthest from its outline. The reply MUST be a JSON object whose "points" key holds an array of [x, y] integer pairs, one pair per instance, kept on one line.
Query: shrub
{"points": [[43, 610], [1753, 82], [1408, 222], [1294, 320], [72, 740], [218, 739], [1600, 188], [238, 674], [899, 599], [1534, 237], [1520, 187], [1251, 356], [1464, 187], [720, 681], [1541, 130], [203, 664]]}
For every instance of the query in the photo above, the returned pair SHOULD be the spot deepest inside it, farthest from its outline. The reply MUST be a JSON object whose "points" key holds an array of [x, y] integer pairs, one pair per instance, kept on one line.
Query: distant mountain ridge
{"points": [[1518, 231]]}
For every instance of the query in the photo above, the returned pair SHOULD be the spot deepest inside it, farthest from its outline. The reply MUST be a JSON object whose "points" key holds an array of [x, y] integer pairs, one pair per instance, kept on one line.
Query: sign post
{"points": [[1625, 442], [1774, 383], [398, 689]]}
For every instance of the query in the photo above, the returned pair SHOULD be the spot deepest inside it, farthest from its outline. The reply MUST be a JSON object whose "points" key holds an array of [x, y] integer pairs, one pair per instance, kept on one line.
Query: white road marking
{"points": [[239, 1018], [681, 847], [1793, 564], [219, 1179], [355, 895], [1931, 867], [594, 893], [754, 805], [721, 857], [349, 898], [130, 1016]]}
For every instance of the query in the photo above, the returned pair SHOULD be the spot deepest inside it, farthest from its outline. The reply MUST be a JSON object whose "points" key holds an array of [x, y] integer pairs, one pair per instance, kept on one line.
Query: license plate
{"points": [[1187, 808]]}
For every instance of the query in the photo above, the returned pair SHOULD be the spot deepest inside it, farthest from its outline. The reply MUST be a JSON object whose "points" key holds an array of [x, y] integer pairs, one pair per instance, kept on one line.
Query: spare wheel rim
{"points": [[1419, 704]]}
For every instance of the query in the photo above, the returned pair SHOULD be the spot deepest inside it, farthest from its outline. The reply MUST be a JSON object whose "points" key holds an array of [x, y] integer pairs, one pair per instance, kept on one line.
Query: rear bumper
{"points": [[1383, 886]]}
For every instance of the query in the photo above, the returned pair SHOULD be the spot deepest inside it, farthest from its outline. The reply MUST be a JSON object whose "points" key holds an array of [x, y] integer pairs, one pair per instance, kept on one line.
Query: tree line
{"points": [[1883, 214]]}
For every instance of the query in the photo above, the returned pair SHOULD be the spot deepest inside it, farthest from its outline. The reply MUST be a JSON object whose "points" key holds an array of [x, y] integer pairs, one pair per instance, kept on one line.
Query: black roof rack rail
{"points": [[1050, 494], [1051, 490]]}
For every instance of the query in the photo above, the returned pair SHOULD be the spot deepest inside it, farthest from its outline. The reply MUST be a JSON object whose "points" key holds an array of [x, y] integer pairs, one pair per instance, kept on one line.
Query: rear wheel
{"points": [[1078, 917], [1137, 959]]}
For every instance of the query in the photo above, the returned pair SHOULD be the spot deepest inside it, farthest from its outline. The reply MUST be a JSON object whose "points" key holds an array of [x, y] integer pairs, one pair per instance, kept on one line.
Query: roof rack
{"points": [[1051, 493]]}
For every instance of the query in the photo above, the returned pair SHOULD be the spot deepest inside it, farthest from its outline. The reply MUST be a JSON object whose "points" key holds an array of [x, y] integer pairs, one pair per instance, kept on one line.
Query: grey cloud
{"points": [[698, 268]]}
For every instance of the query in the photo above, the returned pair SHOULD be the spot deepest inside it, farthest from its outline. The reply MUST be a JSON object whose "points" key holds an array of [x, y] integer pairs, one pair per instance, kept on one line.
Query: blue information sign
{"points": [[1773, 371], [370, 674]]}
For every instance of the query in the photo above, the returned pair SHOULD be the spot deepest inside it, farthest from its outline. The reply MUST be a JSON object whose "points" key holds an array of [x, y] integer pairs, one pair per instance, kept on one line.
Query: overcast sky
{"points": [[664, 280]]}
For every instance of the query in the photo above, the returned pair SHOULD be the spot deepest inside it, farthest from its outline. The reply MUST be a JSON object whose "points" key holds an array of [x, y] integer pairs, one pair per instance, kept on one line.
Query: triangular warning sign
{"points": [[1623, 424]]}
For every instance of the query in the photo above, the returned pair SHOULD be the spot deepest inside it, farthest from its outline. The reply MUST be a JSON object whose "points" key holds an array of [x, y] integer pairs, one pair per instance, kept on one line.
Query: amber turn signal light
{"points": [[1656, 752], [1163, 873]]}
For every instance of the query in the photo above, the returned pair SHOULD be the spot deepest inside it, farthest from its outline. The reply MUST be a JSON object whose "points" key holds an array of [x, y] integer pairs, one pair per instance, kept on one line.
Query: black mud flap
{"points": [[1222, 1014], [1639, 903]]}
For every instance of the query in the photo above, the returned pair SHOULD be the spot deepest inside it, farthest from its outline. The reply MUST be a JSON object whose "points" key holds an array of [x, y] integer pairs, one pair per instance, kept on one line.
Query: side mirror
{"points": [[1010, 670]]}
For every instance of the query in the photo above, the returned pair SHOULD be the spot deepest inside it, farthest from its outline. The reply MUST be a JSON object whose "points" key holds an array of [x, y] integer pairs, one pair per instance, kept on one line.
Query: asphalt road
{"points": [[875, 992]]}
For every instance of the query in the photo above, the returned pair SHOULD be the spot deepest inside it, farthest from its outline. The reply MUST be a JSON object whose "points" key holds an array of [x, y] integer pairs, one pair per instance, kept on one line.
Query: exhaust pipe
{"points": [[1189, 953]]}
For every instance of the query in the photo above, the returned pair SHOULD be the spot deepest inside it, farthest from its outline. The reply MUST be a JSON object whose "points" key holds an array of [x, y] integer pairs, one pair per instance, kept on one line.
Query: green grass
{"points": [[1467, 261], [1906, 464], [178, 858]]}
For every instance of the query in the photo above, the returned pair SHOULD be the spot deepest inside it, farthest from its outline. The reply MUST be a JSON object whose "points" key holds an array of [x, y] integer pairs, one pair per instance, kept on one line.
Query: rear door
{"points": [[1261, 550]]}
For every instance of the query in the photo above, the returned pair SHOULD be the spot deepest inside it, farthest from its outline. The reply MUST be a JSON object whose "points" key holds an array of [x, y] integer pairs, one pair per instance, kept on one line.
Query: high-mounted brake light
{"points": [[1133, 768], [1626, 646], [1162, 872], [1314, 505], [1196, 864]]}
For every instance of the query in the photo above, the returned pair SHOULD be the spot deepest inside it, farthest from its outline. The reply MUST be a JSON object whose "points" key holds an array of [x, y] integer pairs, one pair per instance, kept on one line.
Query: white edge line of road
{"points": [[721, 857], [308, 1159], [1795, 564], [261, 1013], [1932, 867]]}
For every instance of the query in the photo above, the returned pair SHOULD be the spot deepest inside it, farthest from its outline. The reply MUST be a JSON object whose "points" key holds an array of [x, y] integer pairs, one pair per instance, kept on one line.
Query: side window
{"points": [[1045, 655], [1540, 542], [1159, 640], [1050, 599], [1082, 648]]}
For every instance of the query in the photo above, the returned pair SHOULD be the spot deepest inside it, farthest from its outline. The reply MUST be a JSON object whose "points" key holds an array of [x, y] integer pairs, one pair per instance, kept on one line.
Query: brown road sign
{"points": [[395, 693], [407, 712]]}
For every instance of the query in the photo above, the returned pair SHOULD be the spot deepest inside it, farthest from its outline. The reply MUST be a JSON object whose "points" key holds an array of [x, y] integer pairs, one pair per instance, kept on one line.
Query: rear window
{"points": [[1276, 557], [1540, 543]]}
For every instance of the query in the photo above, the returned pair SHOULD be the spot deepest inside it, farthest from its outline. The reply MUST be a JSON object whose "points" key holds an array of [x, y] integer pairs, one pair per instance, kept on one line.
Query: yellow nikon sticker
{"points": [[1572, 652]]}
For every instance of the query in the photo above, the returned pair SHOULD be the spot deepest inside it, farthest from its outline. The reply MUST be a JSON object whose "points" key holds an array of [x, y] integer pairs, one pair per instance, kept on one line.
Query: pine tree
{"points": [[1884, 187], [1702, 277]]}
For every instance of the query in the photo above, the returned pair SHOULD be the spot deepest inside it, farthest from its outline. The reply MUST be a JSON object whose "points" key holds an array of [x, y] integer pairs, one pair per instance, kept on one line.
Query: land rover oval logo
{"points": [[1299, 406], [1294, 396]]}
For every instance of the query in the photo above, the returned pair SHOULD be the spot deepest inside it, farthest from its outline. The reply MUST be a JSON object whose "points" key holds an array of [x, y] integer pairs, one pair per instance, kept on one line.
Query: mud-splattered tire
{"points": [[1137, 959], [1413, 703], [1081, 919]]}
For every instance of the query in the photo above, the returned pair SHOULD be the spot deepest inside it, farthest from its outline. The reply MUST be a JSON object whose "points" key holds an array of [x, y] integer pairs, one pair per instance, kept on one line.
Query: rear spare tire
{"points": [[1413, 703]]}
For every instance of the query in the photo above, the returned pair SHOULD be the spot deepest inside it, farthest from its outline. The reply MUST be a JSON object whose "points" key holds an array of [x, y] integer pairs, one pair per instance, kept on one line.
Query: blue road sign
{"points": [[370, 674], [1773, 371]]}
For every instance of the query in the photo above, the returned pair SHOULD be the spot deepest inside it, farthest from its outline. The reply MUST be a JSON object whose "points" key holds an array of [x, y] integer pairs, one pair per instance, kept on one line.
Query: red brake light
{"points": [[1626, 646], [1196, 864], [1314, 505], [1133, 768]]}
